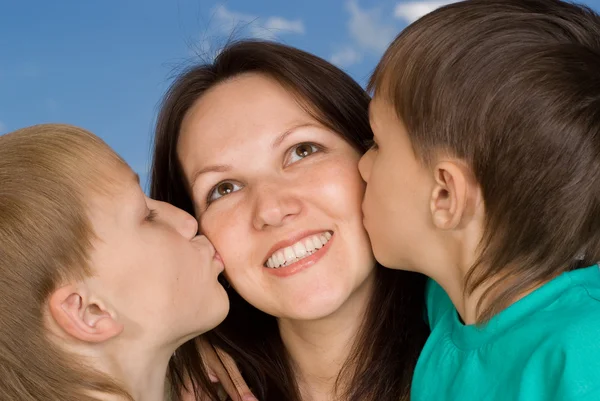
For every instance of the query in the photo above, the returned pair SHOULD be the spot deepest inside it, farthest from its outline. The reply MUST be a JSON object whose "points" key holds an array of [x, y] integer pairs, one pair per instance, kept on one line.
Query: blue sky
{"points": [[104, 65]]}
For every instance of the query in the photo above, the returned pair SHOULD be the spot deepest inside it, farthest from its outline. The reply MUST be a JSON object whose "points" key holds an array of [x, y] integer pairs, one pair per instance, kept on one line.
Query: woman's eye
{"points": [[301, 151], [222, 189]]}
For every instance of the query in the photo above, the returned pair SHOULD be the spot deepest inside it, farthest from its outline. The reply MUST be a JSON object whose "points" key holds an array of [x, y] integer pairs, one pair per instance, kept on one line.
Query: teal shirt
{"points": [[544, 347]]}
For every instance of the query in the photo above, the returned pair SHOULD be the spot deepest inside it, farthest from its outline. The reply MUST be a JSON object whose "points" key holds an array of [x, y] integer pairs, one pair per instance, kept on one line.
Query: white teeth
{"points": [[299, 250], [310, 246], [289, 254], [280, 259]]}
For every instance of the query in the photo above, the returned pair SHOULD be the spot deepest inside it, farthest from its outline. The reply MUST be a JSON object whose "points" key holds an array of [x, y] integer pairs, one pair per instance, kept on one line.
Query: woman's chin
{"points": [[313, 305]]}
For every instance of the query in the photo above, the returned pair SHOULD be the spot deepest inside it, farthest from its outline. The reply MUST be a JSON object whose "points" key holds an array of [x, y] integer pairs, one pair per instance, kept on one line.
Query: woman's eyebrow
{"points": [[290, 131], [215, 168], [222, 168]]}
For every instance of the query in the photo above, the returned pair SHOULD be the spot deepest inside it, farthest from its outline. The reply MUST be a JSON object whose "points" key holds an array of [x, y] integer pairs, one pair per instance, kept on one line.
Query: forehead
{"points": [[380, 111], [118, 187], [245, 109], [247, 99]]}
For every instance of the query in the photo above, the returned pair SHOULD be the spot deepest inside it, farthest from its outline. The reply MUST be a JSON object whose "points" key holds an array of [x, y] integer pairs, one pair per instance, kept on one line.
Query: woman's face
{"points": [[151, 267], [279, 196]]}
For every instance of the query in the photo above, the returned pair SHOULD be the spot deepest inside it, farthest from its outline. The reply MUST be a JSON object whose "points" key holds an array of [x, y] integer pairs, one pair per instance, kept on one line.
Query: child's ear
{"points": [[454, 196], [77, 315]]}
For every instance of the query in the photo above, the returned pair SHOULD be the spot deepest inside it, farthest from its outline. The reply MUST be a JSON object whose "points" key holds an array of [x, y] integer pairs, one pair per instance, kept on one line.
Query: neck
{"points": [[140, 368], [143, 372], [458, 260], [465, 304], [319, 348], [457, 254]]}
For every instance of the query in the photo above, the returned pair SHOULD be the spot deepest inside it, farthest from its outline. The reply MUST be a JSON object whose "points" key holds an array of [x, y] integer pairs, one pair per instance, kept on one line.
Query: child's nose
{"points": [[364, 166], [189, 225]]}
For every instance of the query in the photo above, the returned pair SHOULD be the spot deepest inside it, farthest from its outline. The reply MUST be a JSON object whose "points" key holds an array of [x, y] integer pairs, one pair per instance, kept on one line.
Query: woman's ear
{"points": [[78, 316]]}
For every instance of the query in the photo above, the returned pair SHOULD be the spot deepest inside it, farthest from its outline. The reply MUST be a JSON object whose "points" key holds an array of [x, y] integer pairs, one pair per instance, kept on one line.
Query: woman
{"points": [[262, 147], [98, 283]]}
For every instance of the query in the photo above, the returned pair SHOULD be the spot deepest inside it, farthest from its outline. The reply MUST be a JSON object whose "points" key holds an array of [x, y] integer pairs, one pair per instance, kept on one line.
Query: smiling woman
{"points": [[263, 147], [289, 182]]}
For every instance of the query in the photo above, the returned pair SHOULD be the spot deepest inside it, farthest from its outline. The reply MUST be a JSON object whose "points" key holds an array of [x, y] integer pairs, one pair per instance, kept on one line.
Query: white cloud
{"points": [[369, 31], [282, 24], [413, 10], [231, 21], [368, 28], [345, 56], [228, 19], [372, 30]]}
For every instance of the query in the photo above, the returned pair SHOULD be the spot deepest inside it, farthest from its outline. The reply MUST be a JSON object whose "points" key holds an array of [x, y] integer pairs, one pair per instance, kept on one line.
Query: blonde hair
{"points": [[47, 175]]}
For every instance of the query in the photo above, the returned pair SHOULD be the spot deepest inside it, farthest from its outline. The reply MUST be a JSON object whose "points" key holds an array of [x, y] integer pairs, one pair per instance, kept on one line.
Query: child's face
{"points": [[148, 263], [396, 202]]}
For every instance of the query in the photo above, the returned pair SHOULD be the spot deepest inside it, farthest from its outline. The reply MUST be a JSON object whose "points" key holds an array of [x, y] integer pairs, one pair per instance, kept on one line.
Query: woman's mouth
{"points": [[302, 249]]}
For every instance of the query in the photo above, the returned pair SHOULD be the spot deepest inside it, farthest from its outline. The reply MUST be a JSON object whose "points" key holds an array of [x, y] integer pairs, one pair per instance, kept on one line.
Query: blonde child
{"points": [[98, 283]]}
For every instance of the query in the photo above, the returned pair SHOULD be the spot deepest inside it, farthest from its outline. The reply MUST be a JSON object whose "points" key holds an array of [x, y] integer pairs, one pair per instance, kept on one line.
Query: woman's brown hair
{"points": [[513, 88], [381, 363], [47, 172]]}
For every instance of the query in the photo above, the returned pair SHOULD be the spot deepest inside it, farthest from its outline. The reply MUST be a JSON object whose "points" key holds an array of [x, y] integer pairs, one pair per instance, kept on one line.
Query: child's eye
{"points": [[301, 151], [221, 189], [151, 215]]}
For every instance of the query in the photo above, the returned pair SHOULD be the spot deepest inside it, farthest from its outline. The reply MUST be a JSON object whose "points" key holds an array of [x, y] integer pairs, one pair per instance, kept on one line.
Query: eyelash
{"points": [[317, 149], [151, 215]]}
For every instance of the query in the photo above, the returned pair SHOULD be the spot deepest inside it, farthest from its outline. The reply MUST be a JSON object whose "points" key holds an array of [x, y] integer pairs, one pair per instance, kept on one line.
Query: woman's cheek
{"points": [[345, 190]]}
